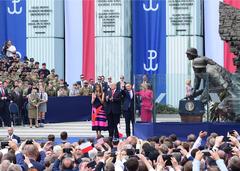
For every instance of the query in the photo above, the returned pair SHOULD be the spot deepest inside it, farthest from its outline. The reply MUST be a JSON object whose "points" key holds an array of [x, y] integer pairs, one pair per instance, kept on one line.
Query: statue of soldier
{"points": [[215, 80]]}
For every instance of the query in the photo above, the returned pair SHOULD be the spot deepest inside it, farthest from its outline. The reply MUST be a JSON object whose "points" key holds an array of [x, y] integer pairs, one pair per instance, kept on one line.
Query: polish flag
{"points": [[86, 147]]}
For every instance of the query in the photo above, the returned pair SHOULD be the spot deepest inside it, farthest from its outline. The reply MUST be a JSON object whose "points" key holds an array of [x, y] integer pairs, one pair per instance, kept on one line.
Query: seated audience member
{"points": [[85, 90], [75, 90], [62, 91]]}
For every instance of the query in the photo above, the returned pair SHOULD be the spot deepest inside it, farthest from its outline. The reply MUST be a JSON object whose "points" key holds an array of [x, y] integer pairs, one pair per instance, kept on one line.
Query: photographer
{"points": [[28, 154], [66, 160]]}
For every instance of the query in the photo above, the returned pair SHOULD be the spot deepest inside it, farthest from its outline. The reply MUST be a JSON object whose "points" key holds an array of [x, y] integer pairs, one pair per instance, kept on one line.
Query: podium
{"points": [[191, 110]]}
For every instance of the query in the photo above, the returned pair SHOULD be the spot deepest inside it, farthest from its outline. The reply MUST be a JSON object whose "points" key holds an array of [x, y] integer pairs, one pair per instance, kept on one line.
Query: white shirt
{"points": [[44, 96], [11, 51], [131, 94]]}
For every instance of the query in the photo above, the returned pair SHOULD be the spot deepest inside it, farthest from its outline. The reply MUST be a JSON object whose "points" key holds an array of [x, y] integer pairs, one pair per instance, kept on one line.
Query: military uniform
{"points": [[85, 91], [51, 91], [33, 100]]}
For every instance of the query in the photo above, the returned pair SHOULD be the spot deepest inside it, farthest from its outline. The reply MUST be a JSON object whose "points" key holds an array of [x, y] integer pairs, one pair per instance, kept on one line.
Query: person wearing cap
{"points": [[36, 66], [31, 64], [85, 90], [51, 76]]}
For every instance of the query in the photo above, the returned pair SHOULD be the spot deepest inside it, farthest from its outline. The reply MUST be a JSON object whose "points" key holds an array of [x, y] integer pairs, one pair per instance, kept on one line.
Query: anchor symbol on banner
{"points": [[150, 8], [15, 2], [152, 56]]}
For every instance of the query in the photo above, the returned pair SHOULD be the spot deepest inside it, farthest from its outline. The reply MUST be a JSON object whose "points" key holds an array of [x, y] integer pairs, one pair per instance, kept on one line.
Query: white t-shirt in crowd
{"points": [[11, 51]]}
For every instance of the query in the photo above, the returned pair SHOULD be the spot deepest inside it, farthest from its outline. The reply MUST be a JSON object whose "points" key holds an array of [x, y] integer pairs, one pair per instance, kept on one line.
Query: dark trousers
{"points": [[4, 114], [113, 121], [129, 118]]}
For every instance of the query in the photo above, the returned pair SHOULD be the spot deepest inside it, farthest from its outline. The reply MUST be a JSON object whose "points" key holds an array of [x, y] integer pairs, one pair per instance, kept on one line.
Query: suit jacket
{"points": [[115, 105], [128, 103], [16, 138], [38, 165], [17, 98], [119, 85], [2, 102]]}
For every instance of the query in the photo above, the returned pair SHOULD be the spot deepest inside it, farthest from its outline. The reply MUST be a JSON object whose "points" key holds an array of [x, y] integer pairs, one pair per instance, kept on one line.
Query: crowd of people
{"points": [[24, 81], [207, 151]]}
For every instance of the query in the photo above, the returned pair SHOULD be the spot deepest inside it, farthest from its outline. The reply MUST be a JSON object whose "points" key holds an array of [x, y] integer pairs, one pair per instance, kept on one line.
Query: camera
{"points": [[115, 141], [206, 153], [4, 144], [176, 150], [167, 158], [226, 139], [91, 164], [231, 133], [67, 150]]}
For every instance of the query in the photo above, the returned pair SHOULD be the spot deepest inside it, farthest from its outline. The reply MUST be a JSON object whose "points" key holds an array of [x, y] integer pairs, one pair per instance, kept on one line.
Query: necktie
{"points": [[41, 96], [112, 93], [3, 93]]}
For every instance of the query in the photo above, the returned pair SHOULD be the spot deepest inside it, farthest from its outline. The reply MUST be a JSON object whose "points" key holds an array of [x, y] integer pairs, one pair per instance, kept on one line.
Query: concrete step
{"points": [[74, 129]]}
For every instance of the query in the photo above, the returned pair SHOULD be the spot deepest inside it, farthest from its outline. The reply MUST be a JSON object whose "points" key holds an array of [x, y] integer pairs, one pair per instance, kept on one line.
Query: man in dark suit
{"points": [[113, 109], [121, 84], [12, 136], [17, 97], [104, 84], [128, 107], [4, 103]]}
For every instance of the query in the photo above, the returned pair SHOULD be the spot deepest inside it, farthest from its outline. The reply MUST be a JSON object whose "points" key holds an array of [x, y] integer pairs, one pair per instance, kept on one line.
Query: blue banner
{"points": [[13, 24], [149, 42]]}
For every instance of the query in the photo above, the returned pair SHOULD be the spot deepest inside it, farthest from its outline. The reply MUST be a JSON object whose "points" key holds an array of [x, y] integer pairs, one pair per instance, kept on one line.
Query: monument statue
{"points": [[214, 79]]}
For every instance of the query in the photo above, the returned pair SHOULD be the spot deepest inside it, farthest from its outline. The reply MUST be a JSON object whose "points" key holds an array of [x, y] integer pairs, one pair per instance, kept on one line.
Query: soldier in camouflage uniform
{"points": [[50, 90], [85, 90]]}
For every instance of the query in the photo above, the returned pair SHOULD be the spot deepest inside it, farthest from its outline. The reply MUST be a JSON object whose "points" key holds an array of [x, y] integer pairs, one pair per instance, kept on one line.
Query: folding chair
{"points": [[14, 114]]}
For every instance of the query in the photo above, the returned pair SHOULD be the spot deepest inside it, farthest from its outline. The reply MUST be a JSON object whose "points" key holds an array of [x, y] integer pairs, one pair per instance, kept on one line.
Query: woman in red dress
{"points": [[147, 103]]}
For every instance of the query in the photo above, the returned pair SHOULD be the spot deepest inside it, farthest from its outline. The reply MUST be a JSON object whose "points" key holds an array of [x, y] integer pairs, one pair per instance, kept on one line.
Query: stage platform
{"points": [[146, 130], [76, 130]]}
